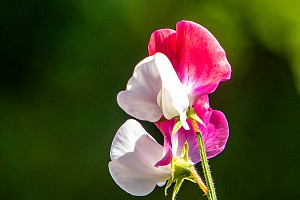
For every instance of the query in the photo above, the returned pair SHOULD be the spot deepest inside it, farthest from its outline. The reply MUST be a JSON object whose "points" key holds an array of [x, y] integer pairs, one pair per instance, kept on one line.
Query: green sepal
{"points": [[193, 116], [181, 168], [176, 127], [169, 183], [177, 186], [185, 152]]}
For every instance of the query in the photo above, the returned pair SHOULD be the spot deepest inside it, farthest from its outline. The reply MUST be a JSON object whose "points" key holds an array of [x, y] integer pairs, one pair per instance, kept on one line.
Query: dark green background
{"points": [[62, 64]]}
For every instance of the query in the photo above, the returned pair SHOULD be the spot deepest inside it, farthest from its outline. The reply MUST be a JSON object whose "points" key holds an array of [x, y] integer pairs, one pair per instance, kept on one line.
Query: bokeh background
{"points": [[63, 63]]}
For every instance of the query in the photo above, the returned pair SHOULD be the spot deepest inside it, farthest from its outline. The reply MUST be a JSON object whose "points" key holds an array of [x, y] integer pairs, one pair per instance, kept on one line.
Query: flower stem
{"points": [[204, 162]]}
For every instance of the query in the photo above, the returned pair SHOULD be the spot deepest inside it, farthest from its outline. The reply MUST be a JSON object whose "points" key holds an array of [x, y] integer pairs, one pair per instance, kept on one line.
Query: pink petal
{"points": [[166, 129], [164, 41], [215, 134], [174, 146], [167, 158], [203, 62]]}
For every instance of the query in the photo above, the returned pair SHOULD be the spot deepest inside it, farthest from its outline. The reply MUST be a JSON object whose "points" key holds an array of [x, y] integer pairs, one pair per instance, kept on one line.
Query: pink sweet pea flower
{"points": [[201, 64], [183, 67]]}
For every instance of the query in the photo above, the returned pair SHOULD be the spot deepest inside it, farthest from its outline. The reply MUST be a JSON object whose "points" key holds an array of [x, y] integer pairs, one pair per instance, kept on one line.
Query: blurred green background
{"points": [[63, 63]]}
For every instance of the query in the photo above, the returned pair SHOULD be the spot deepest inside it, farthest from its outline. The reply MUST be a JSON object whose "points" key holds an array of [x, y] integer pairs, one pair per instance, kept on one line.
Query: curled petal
{"points": [[164, 41], [167, 157], [153, 90], [216, 132], [172, 97], [134, 153]]}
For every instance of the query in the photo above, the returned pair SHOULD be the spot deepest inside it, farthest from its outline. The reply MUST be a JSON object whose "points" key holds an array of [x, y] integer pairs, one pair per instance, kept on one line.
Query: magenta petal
{"points": [[203, 63], [175, 143], [166, 159], [191, 138], [216, 132], [166, 129]]}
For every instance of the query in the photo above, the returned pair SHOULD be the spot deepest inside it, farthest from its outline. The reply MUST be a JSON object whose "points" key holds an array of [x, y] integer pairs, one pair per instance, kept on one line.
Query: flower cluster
{"points": [[170, 88]]}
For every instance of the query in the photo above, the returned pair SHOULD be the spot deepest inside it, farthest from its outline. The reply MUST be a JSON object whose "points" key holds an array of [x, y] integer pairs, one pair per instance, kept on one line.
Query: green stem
{"points": [[206, 170]]}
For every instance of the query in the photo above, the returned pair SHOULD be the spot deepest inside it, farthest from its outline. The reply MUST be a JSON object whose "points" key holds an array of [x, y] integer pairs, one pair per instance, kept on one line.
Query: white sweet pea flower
{"points": [[155, 90], [133, 156]]}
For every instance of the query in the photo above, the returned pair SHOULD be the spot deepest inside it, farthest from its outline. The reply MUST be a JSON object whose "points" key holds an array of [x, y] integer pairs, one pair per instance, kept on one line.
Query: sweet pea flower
{"points": [[201, 64], [182, 68], [133, 156], [183, 65]]}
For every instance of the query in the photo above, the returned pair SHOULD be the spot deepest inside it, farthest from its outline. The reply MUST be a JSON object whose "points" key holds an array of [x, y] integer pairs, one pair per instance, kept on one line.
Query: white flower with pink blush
{"points": [[133, 156]]}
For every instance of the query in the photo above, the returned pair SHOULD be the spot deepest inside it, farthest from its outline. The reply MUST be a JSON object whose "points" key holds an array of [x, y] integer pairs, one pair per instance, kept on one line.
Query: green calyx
{"points": [[182, 169], [177, 126], [191, 114], [194, 117]]}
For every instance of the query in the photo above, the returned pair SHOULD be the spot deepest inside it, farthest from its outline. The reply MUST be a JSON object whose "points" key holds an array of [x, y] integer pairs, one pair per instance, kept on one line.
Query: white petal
{"points": [[172, 97], [161, 184], [134, 153], [139, 98], [182, 118], [154, 89]]}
